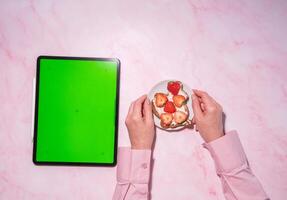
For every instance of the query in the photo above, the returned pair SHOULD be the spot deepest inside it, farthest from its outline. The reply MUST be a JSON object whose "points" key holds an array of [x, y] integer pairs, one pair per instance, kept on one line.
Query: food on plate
{"points": [[166, 119], [180, 117], [174, 87], [170, 106], [160, 99], [178, 100]]}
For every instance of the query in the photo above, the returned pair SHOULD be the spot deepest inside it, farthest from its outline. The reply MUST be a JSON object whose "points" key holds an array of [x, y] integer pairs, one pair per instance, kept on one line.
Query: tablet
{"points": [[76, 111]]}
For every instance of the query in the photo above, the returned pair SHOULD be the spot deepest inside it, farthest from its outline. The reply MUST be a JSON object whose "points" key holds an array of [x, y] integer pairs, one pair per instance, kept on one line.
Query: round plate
{"points": [[162, 87]]}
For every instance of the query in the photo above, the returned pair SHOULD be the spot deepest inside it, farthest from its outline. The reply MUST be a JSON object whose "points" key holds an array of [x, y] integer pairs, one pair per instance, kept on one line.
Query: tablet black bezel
{"points": [[36, 112]]}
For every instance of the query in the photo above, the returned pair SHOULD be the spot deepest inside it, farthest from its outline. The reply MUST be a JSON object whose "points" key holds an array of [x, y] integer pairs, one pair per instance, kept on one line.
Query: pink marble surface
{"points": [[235, 50]]}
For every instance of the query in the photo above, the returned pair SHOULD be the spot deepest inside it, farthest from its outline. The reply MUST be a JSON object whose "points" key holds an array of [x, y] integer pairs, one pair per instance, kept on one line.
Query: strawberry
{"points": [[160, 99], [165, 119], [178, 100], [174, 87], [169, 107], [163, 125], [180, 117]]}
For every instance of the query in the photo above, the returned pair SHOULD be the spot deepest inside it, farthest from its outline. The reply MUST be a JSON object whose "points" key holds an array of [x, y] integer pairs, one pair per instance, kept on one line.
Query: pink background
{"points": [[235, 50]]}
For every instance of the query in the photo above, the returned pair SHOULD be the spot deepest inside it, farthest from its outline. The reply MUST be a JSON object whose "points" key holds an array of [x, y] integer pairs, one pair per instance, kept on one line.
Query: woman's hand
{"points": [[207, 116], [140, 124]]}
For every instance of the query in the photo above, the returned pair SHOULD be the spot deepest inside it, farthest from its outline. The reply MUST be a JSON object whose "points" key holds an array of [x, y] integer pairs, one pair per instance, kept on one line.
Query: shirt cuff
{"points": [[133, 165], [227, 152]]}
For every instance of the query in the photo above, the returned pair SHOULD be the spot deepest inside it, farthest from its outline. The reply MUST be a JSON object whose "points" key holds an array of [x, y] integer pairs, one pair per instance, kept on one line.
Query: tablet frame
{"points": [[37, 105]]}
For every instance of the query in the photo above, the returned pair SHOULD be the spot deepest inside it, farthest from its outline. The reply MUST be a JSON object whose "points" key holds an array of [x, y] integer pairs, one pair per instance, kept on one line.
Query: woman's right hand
{"points": [[207, 116], [140, 123]]}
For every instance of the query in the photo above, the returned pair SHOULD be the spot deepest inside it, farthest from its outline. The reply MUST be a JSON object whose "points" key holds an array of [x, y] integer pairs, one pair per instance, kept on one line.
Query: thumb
{"points": [[147, 110], [196, 106]]}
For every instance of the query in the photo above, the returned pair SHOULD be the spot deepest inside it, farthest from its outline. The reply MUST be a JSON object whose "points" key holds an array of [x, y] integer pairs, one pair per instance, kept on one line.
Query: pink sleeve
{"points": [[232, 167], [133, 174]]}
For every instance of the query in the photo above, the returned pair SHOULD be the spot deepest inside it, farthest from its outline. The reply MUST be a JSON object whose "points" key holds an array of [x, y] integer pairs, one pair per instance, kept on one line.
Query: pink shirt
{"points": [[238, 181]]}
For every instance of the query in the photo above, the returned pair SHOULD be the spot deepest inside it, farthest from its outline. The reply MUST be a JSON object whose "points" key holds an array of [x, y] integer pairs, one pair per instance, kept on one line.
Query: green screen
{"points": [[77, 110]]}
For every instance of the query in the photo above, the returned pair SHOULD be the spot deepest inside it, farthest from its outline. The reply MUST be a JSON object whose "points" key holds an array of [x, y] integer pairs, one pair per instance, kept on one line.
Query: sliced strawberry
{"points": [[160, 99], [178, 100], [163, 125], [169, 107], [180, 117], [165, 119], [174, 87]]}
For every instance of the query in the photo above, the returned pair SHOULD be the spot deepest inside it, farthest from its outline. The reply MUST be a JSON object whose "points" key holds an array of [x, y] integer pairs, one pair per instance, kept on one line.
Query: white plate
{"points": [[162, 87]]}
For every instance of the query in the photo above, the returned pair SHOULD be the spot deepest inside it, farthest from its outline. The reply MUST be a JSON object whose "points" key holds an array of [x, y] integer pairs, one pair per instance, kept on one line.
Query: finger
{"points": [[196, 106], [205, 98], [193, 120], [131, 108], [147, 110], [202, 107], [137, 109], [200, 93], [201, 104]]}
